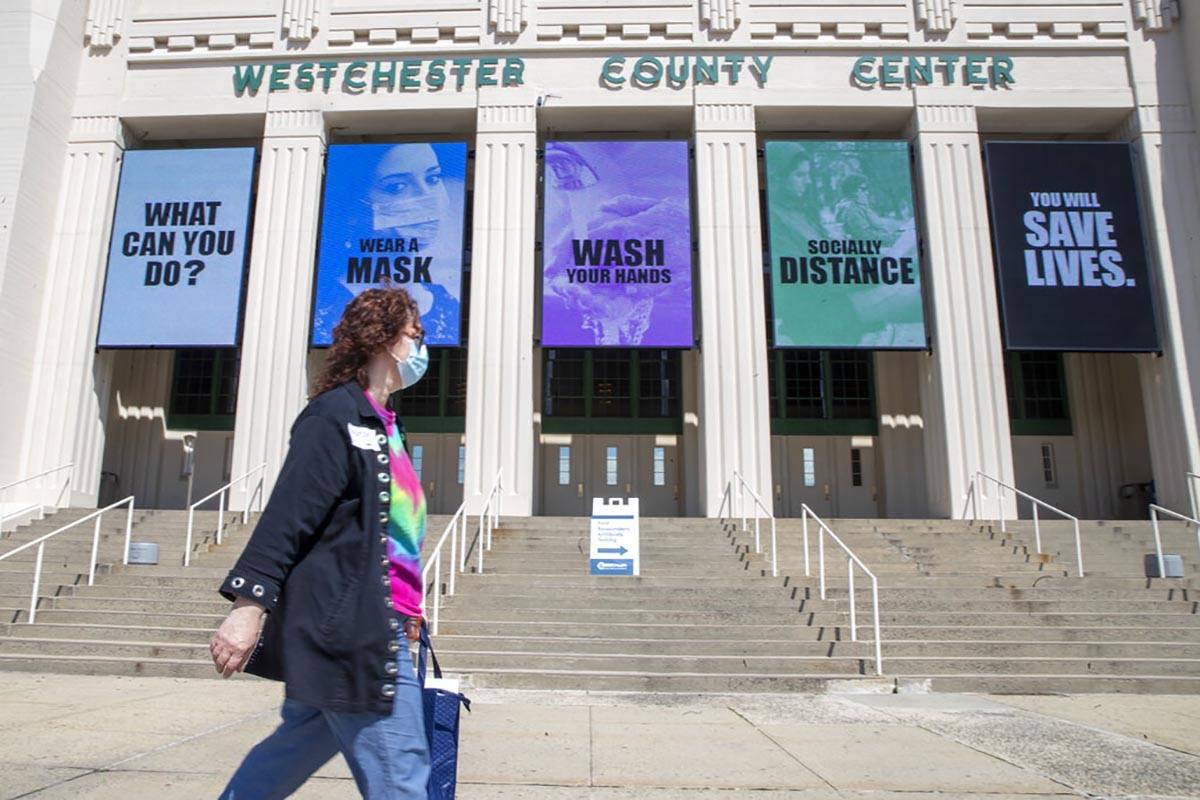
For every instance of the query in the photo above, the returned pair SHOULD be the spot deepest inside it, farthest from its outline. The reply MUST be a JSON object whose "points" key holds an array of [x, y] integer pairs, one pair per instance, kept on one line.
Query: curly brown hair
{"points": [[371, 322]]}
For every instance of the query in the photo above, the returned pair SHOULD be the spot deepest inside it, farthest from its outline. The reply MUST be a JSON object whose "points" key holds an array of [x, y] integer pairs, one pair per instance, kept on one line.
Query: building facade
{"points": [[851, 431]]}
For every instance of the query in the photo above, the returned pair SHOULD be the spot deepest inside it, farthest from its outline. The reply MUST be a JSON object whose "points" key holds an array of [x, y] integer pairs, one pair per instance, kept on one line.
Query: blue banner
{"points": [[393, 212], [177, 257]]}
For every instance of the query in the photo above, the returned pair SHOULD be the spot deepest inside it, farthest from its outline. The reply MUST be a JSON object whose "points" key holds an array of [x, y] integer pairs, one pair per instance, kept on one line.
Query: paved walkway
{"points": [[157, 738]]}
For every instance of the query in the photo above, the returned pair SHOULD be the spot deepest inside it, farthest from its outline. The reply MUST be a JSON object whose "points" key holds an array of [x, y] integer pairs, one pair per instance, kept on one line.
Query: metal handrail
{"points": [[1192, 479], [1155, 510], [977, 495], [35, 506], [455, 529], [489, 517], [41, 548], [851, 560], [456, 525], [258, 492], [759, 506]]}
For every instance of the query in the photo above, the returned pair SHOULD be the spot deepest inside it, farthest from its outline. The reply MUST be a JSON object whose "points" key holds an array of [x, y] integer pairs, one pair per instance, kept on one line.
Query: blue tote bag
{"points": [[441, 725]]}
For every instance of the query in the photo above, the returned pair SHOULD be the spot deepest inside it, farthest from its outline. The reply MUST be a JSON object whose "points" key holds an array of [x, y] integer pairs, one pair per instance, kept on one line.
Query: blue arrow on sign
{"points": [[620, 551]]}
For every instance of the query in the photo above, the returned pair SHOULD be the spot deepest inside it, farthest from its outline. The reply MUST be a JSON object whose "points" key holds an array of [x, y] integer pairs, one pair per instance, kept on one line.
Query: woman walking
{"points": [[334, 564]]}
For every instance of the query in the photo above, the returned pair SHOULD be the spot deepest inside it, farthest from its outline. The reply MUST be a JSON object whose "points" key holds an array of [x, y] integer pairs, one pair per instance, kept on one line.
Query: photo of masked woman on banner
{"points": [[393, 212]]}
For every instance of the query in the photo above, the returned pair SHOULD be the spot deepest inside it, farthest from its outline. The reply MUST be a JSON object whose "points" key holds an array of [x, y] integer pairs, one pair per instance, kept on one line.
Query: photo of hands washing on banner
{"points": [[617, 246], [617, 270]]}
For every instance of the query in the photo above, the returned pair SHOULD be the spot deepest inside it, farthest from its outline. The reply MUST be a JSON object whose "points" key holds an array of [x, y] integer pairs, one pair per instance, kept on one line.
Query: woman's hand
{"points": [[235, 639]]}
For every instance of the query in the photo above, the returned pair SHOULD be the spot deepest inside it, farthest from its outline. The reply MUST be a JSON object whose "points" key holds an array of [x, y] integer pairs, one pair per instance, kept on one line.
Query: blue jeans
{"points": [[388, 755]]}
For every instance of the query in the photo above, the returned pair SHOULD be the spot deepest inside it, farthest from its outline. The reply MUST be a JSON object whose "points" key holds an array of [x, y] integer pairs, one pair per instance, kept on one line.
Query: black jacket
{"points": [[318, 561]]}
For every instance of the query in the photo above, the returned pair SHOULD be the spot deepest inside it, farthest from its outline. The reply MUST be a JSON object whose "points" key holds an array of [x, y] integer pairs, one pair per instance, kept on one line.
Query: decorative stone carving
{"points": [[938, 16], [104, 20], [1156, 15], [507, 17], [300, 19], [722, 16]]}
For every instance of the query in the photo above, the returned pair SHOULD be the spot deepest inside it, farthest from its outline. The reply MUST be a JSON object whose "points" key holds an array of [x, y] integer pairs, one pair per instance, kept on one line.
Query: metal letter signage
{"points": [[1070, 253]]}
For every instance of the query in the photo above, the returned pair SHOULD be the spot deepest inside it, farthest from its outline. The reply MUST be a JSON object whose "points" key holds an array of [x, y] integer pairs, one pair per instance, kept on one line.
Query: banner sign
{"points": [[844, 266], [1070, 253], [177, 257], [617, 264], [393, 212]]}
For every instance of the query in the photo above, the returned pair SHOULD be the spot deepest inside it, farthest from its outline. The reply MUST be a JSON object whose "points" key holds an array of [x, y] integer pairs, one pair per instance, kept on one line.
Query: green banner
{"points": [[844, 266]]}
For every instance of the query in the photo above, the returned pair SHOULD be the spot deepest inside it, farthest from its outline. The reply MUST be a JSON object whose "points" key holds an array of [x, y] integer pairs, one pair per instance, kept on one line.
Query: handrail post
{"points": [[95, 552], [757, 534], [220, 516], [1037, 528], [875, 610], [437, 590], [853, 602], [821, 557], [1162, 572], [453, 555], [1078, 548], [128, 531], [37, 584], [1000, 508], [804, 524], [774, 550], [977, 488], [187, 545]]}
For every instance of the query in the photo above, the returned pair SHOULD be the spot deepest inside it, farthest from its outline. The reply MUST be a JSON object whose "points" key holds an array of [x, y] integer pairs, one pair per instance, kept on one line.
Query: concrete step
{"points": [[475, 661], [1007, 633], [672, 681], [1040, 665], [1058, 684]]}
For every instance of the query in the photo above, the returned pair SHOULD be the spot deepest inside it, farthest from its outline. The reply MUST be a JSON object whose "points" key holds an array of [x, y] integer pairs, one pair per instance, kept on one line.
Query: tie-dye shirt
{"points": [[406, 526]]}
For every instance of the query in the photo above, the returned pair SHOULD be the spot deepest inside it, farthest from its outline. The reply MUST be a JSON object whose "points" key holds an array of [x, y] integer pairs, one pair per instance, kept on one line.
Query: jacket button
{"points": [[390, 668], [383, 497], [382, 458], [385, 580], [383, 540], [394, 624], [383, 518], [379, 437], [394, 646], [383, 561], [383, 477], [388, 691]]}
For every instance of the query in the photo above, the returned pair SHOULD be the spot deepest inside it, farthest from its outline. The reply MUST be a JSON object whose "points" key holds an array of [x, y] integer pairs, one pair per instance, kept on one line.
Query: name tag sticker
{"points": [[362, 438]]}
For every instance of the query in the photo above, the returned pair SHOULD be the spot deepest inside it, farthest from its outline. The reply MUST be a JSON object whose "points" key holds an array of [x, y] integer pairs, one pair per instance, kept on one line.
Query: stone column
{"points": [[499, 425], [68, 399], [1165, 148], [963, 390], [735, 431], [901, 451], [273, 380]]}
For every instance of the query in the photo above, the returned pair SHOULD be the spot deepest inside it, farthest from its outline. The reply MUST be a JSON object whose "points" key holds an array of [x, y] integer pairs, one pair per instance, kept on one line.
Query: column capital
{"points": [[294, 123], [717, 111], [97, 128], [943, 118], [506, 111], [1155, 118]]}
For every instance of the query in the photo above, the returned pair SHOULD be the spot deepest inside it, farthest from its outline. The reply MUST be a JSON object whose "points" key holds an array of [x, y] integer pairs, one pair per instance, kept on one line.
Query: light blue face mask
{"points": [[412, 369]]}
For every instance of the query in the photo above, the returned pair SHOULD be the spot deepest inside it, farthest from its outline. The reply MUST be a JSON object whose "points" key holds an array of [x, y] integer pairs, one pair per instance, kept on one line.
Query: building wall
{"points": [[117, 75]]}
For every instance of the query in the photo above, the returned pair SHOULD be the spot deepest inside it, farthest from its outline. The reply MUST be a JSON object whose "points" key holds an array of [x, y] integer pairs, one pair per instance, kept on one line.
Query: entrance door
{"points": [[564, 468], [436, 459], [612, 467], [803, 467], [657, 476], [854, 479]]}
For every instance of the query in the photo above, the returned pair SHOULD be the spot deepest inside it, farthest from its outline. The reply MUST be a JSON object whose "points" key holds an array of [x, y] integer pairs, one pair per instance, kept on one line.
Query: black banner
{"points": [[1070, 252]]}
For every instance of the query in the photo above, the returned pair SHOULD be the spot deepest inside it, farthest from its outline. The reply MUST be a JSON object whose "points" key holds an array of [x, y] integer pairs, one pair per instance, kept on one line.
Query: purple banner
{"points": [[617, 270]]}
